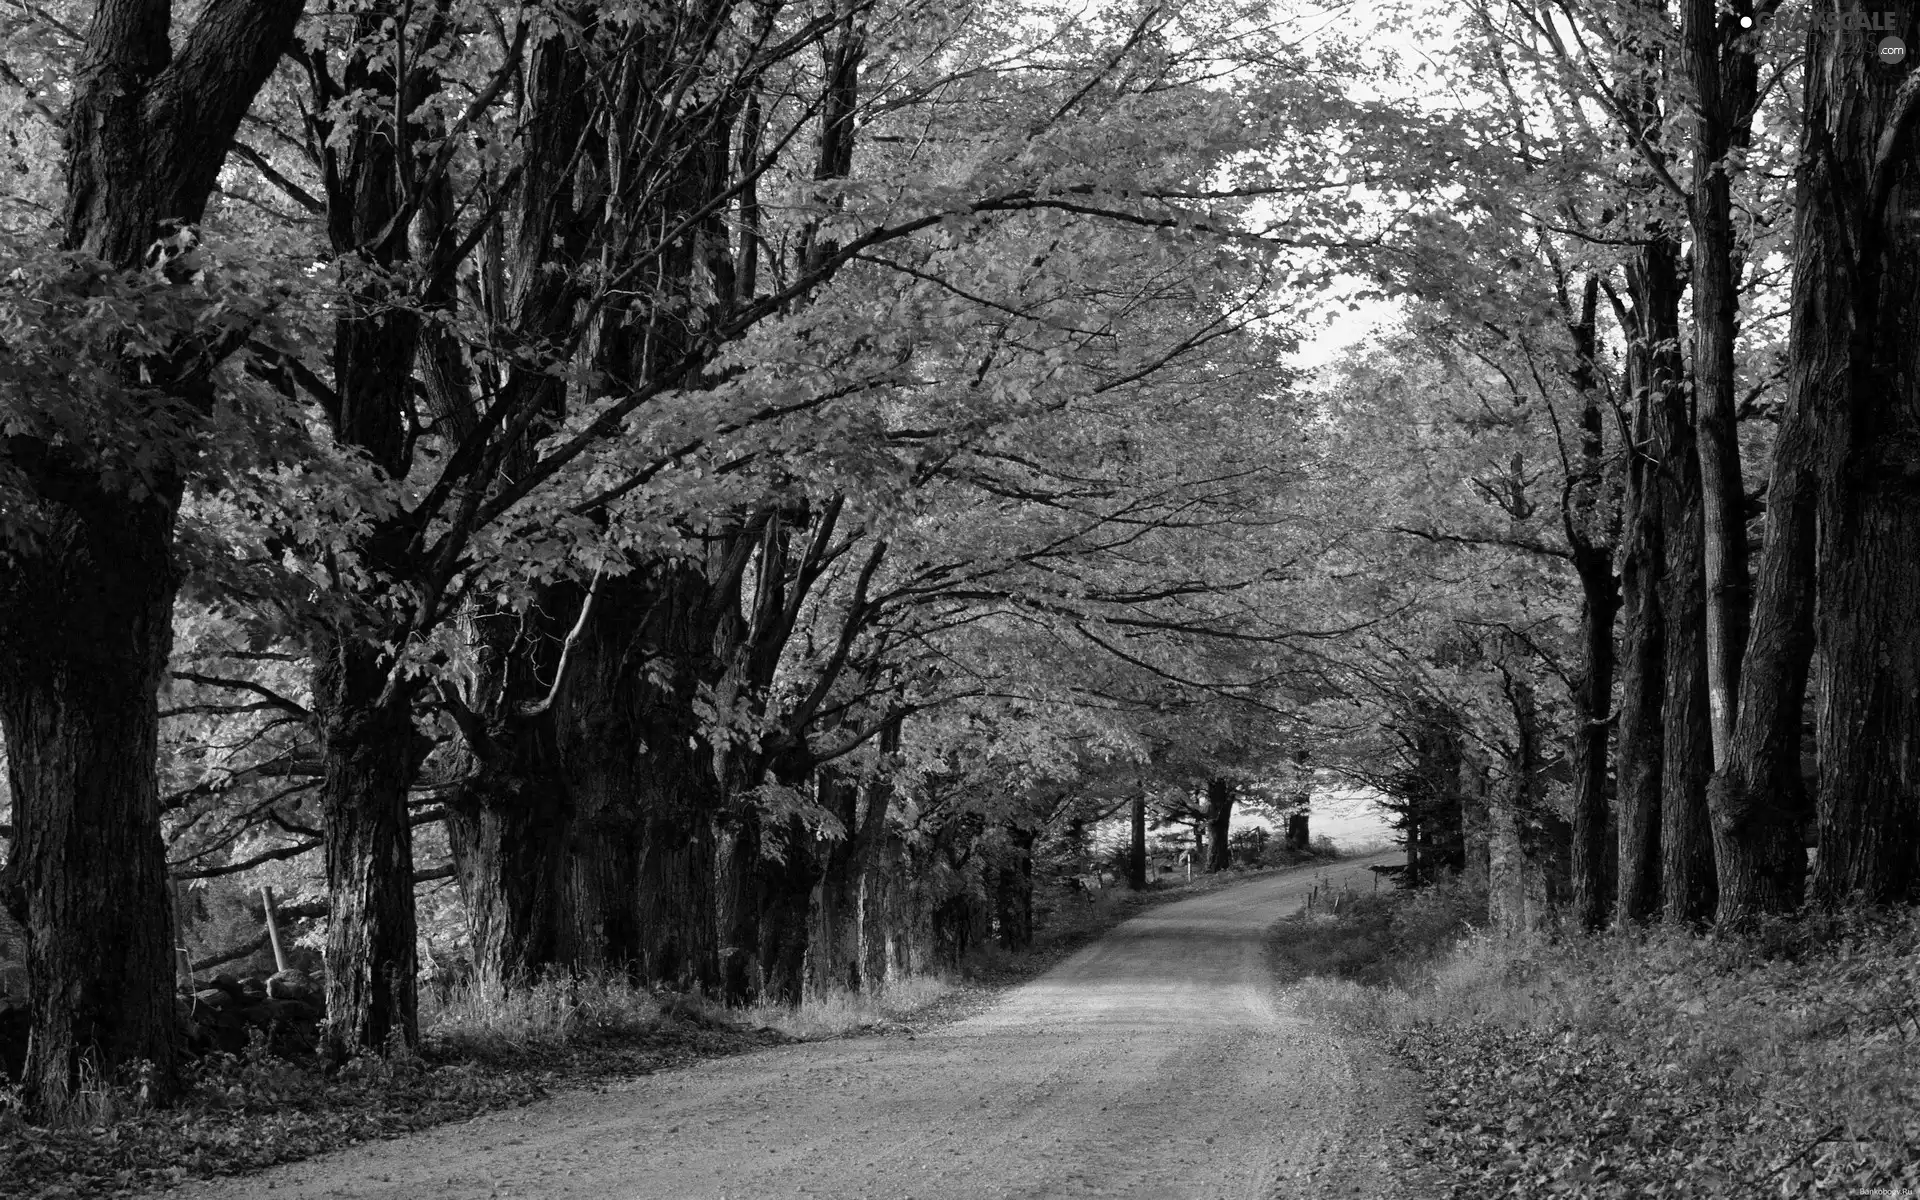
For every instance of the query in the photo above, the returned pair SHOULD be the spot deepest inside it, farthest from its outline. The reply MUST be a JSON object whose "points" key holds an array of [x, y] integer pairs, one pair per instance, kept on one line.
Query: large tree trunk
{"points": [[1591, 522], [509, 828], [1655, 370], [642, 780], [1593, 700], [365, 709], [510, 822], [1219, 824], [1638, 759], [736, 897], [1720, 61], [1856, 357], [89, 621], [834, 959], [370, 753], [1686, 851], [85, 608], [599, 736], [786, 887], [1758, 800]]}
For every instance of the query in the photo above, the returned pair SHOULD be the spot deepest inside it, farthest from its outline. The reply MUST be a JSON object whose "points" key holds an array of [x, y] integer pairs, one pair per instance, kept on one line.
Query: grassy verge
{"points": [[1653, 1063]]}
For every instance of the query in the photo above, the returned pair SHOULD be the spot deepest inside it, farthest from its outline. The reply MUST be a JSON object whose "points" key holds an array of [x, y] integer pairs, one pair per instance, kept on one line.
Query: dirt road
{"points": [[1157, 1062]]}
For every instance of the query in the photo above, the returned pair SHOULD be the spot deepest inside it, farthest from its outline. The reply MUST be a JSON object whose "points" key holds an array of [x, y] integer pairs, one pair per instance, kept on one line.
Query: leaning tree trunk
{"points": [[1219, 824], [1854, 351], [86, 605]]}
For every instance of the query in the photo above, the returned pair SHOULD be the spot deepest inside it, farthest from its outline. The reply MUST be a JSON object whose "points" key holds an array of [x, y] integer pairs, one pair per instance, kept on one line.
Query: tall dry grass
{"points": [[492, 1020]]}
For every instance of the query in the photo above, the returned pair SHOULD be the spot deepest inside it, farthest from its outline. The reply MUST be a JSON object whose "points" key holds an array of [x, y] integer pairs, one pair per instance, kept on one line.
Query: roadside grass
{"points": [[1646, 1063], [842, 1012]]}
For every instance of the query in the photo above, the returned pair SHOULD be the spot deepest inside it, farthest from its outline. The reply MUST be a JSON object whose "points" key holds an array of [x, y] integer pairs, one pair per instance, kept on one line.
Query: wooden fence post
{"points": [[273, 929]]}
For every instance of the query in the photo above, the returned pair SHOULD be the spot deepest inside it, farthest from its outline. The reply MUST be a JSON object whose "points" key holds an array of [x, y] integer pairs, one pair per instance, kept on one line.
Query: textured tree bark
{"points": [[89, 621], [509, 827], [1219, 824], [149, 125], [1687, 885], [786, 889], [736, 899], [1592, 835], [1719, 56], [1758, 800], [370, 754], [1655, 380], [1639, 751], [1857, 361], [368, 739], [1591, 523], [642, 780]]}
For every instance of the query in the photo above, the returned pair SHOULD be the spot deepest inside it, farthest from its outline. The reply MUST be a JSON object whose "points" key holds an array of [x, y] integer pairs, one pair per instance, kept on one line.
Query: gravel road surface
{"points": [[1157, 1062]]}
